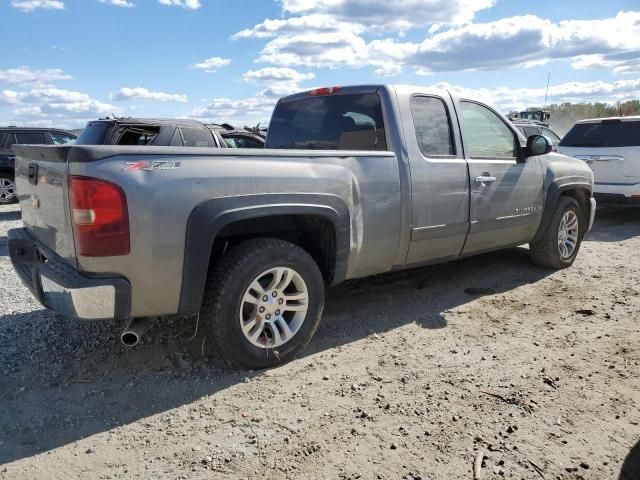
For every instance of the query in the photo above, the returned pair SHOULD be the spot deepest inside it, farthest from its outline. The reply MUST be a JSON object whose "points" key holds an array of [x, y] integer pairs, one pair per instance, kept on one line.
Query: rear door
{"points": [[439, 179], [506, 191], [611, 147]]}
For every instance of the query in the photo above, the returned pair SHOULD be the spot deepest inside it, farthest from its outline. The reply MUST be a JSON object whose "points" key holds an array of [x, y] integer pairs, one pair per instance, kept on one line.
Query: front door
{"points": [[506, 190]]}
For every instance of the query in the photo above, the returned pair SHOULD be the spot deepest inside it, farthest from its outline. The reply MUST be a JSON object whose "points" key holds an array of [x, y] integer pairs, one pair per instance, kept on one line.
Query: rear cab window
{"points": [[607, 133], [333, 122]]}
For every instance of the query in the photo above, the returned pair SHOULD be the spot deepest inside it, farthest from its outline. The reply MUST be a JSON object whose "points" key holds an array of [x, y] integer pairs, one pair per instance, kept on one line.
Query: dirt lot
{"points": [[409, 376]]}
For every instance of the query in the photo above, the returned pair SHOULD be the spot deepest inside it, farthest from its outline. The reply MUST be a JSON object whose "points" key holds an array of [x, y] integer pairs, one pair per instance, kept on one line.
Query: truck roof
{"points": [[631, 118], [178, 122], [364, 88], [33, 129]]}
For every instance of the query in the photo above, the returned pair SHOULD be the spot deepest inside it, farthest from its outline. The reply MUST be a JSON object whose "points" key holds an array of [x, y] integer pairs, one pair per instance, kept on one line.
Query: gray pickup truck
{"points": [[354, 181]]}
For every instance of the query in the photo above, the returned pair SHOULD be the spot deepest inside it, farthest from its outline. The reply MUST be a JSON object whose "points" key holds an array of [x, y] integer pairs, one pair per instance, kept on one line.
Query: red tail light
{"points": [[99, 217], [324, 91]]}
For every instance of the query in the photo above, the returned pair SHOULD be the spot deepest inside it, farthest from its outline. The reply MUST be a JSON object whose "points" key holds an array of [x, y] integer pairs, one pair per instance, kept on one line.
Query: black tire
{"points": [[226, 285], [4, 198], [546, 251]]}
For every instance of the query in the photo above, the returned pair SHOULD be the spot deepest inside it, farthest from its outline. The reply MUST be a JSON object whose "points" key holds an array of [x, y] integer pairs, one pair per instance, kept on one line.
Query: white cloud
{"points": [[396, 15], [271, 75], [190, 4], [141, 93], [119, 3], [316, 23], [622, 63], [324, 40], [519, 98], [54, 106], [30, 5], [212, 64], [258, 108], [249, 110], [26, 75]]}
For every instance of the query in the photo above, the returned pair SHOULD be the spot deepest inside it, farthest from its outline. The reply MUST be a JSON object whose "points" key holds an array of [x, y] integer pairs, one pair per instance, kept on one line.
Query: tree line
{"points": [[564, 115]]}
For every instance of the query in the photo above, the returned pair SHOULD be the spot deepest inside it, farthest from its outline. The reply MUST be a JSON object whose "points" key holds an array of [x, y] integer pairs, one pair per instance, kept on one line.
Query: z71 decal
{"points": [[149, 166]]}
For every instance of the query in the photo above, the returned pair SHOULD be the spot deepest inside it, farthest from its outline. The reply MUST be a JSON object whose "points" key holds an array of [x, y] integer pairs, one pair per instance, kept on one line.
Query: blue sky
{"points": [[70, 61]]}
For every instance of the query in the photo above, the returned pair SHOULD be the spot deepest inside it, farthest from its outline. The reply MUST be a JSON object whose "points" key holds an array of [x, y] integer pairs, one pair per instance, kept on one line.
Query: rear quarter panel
{"points": [[161, 201]]}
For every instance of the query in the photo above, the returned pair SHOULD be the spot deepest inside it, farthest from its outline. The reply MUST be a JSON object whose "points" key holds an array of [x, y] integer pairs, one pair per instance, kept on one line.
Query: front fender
{"points": [[554, 192]]}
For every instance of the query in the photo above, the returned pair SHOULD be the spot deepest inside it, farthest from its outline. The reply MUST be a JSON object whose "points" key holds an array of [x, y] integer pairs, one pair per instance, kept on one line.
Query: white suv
{"points": [[611, 147]]}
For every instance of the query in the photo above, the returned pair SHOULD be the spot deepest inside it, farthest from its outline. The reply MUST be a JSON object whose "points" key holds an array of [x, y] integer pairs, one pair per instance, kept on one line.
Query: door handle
{"points": [[485, 179]]}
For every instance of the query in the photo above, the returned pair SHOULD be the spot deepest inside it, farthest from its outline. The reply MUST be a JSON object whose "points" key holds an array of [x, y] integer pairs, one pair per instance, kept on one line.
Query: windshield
{"points": [[614, 133], [337, 122]]}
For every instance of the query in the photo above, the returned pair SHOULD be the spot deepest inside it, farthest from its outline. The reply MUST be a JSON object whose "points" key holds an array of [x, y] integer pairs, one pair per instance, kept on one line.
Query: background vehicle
{"points": [[13, 135], [166, 132], [389, 178], [534, 127], [611, 147], [237, 137]]}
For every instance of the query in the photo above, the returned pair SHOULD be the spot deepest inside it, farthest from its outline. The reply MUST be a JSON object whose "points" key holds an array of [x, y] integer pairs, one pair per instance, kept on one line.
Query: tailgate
{"points": [[41, 183], [614, 165]]}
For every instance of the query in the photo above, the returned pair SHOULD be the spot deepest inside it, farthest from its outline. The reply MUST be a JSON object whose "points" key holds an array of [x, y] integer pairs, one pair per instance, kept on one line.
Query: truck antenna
{"points": [[546, 93]]}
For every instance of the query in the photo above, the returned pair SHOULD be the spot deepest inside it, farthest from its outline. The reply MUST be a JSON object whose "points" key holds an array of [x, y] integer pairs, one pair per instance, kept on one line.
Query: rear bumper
{"points": [[60, 287], [617, 194], [617, 199]]}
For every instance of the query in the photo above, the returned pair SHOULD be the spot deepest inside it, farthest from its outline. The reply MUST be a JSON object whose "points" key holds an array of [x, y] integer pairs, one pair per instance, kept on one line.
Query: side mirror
{"points": [[538, 145]]}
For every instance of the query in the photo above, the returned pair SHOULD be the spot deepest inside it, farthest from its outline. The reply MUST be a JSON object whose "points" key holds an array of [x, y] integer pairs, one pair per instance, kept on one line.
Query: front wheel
{"points": [[262, 304], [7, 189], [561, 241]]}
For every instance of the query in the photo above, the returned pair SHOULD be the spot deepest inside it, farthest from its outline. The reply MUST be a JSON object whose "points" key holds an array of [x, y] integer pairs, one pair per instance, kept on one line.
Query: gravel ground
{"points": [[411, 375]]}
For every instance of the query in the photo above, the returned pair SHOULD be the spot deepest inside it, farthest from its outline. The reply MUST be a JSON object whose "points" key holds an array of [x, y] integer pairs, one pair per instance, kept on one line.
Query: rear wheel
{"points": [[561, 242], [7, 189], [262, 304]]}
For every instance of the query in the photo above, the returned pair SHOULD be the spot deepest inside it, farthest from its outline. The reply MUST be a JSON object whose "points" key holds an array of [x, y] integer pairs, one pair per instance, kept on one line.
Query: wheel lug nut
{"points": [[277, 312], [261, 309], [280, 301], [275, 294], [268, 316], [265, 298]]}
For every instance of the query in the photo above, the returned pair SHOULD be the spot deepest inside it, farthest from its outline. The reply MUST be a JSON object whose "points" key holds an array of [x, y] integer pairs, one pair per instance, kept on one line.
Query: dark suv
{"points": [[167, 132], [10, 136]]}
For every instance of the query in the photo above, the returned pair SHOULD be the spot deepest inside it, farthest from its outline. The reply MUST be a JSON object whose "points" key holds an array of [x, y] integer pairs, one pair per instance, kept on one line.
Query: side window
{"points": [[432, 126], [176, 140], [528, 131], [30, 138], [197, 138], [485, 134], [242, 142], [555, 139], [61, 138]]}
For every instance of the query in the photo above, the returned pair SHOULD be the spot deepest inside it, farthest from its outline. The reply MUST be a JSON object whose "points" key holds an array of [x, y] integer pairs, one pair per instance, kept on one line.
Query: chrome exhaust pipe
{"points": [[132, 333]]}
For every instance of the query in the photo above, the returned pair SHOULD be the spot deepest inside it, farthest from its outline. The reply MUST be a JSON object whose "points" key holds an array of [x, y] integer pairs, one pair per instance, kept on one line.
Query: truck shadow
{"points": [[631, 466], [64, 380], [615, 224]]}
